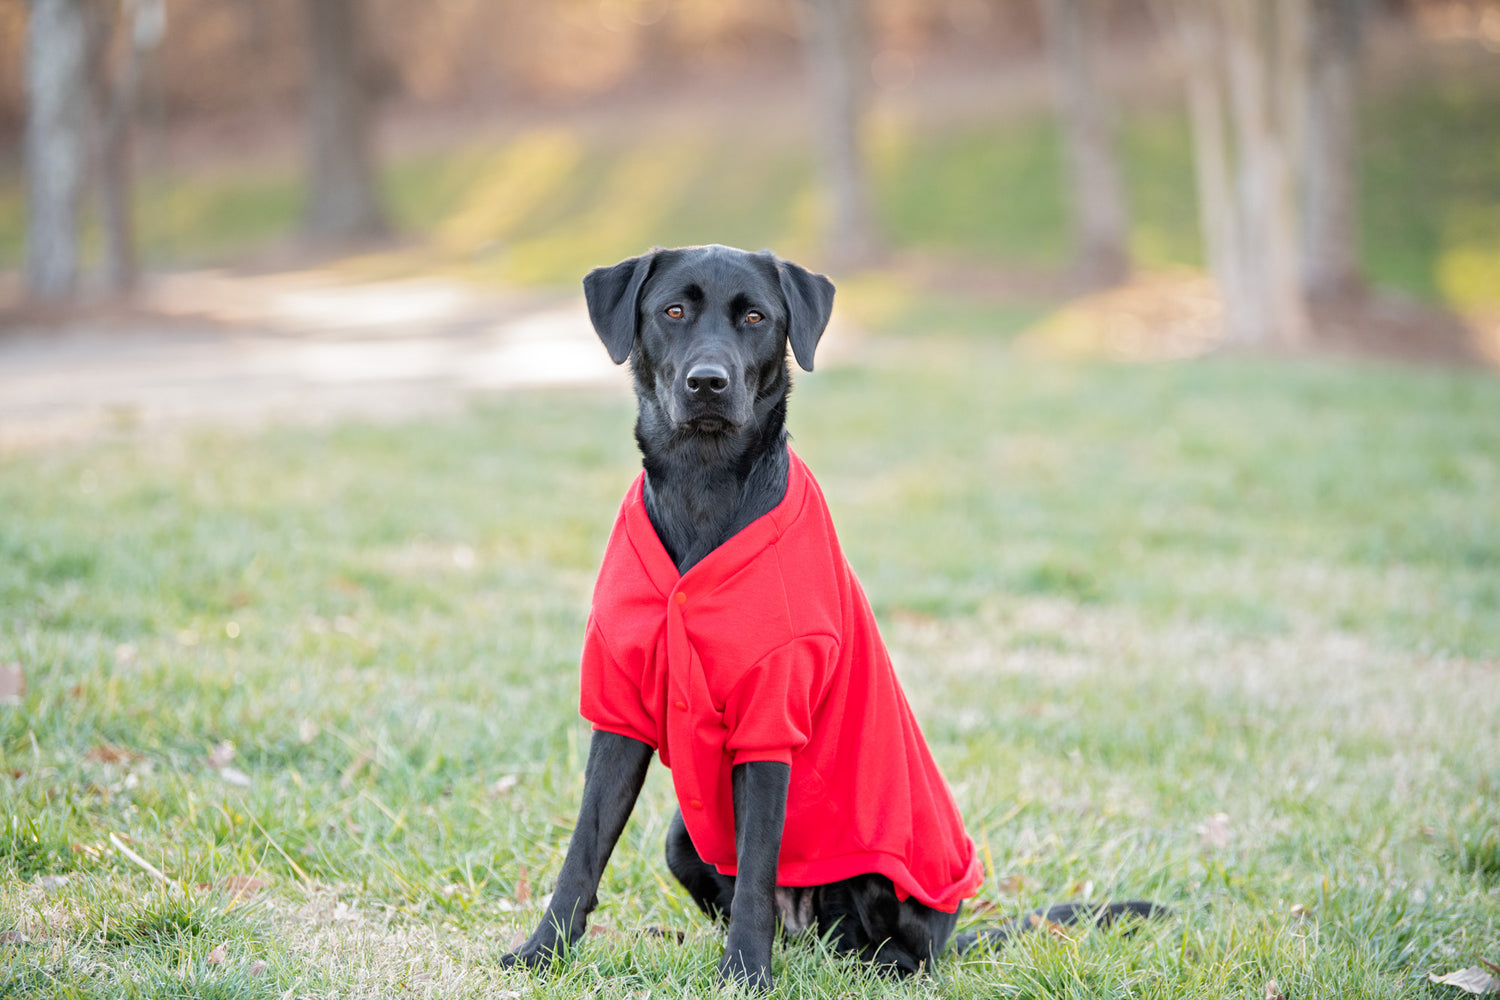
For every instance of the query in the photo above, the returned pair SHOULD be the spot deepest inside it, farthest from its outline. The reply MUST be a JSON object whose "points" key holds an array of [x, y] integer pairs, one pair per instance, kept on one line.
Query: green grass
{"points": [[547, 204], [1124, 599]]}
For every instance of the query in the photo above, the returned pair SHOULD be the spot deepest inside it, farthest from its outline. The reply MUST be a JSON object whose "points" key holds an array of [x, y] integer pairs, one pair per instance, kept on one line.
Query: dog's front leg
{"points": [[760, 789], [612, 780]]}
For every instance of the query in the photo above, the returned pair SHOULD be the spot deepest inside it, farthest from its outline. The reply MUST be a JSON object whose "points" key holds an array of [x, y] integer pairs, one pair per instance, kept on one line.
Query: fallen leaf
{"points": [[217, 956], [52, 881], [1273, 991], [109, 753], [241, 885], [1490, 965], [221, 755], [12, 684], [1013, 885], [1042, 923], [1299, 911], [1215, 832], [523, 885], [981, 907], [13, 937], [1475, 979], [257, 967], [234, 776], [504, 785]]}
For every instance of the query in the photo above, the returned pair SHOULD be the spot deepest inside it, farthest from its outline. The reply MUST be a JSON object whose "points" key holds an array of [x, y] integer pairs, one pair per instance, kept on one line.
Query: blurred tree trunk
{"points": [[1330, 222], [342, 204], [1247, 81], [1100, 219], [836, 47], [57, 98], [117, 46]]}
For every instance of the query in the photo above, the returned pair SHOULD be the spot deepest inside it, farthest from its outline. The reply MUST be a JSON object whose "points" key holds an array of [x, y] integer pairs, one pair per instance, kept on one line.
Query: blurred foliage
{"points": [[223, 57]]}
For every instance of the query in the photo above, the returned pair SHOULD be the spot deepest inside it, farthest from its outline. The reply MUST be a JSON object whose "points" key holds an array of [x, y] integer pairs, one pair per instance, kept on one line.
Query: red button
{"points": [[681, 597], [682, 706]]}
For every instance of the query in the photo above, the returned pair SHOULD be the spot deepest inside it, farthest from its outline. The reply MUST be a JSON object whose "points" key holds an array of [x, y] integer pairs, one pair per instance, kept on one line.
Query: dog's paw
{"points": [[736, 968], [534, 954]]}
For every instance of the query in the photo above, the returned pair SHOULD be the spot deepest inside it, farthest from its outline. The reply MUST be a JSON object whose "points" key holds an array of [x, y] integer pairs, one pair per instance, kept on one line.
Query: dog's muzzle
{"points": [[708, 401]]}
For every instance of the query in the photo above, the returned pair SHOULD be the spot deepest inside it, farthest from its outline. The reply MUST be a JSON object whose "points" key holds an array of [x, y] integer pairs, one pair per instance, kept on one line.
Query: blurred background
{"points": [[1297, 175]]}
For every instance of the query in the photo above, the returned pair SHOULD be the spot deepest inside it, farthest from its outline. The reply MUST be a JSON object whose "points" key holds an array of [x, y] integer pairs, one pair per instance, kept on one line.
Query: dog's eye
{"points": [[675, 312], [753, 317]]}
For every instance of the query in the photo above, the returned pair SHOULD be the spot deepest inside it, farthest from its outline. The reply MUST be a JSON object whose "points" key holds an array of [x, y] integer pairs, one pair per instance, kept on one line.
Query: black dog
{"points": [[881, 868]]}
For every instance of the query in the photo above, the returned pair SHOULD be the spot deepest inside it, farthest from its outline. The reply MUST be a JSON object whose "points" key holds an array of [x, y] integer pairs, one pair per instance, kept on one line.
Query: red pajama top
{"points": [[767, 650]]}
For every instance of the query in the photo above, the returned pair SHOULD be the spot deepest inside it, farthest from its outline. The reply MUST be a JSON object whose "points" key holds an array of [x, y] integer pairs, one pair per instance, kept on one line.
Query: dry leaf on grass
{"points": [[87, 850], [13, 937], [109, 753], [1273, 991], [1476, 979], [1055, 929], [217, 956], [12, 684], [523, 886], [257, 967], [1215, 832], [220, 756], [241, 885], [504, 785], [1013, 885], [981, 907]]}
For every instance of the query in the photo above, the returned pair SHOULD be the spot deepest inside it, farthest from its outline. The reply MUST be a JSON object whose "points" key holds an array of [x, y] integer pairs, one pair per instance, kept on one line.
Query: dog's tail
{"points": [[1060, 915]]}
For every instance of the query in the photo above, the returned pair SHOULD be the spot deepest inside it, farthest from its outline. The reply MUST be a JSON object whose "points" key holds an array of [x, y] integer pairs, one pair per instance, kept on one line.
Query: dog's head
{"points": [[707, 328]]}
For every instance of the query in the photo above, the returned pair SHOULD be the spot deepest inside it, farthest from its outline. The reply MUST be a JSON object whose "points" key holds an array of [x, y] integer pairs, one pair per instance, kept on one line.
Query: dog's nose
{"points": [[711, 377]]}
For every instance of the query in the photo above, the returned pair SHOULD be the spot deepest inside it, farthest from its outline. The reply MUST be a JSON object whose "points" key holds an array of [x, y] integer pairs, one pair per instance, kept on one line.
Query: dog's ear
{"points": [[614, 296], [809, 303]]}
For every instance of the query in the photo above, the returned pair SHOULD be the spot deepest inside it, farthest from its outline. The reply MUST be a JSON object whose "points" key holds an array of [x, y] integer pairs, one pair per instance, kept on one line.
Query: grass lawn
{"points": [[1222, 634]]}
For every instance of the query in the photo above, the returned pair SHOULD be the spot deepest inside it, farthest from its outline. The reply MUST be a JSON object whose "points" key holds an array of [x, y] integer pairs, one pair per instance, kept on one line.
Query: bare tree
{"points": [[835, 34], [342, 203], [56, 155], [1330, 220], [120, 37], [1100, 218], [1246, 81]]}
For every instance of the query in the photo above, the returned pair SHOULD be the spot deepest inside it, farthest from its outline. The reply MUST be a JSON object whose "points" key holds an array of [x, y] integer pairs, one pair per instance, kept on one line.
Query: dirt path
{"points": [[209, 348], [215, 349]]}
